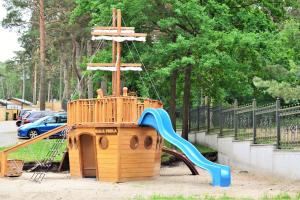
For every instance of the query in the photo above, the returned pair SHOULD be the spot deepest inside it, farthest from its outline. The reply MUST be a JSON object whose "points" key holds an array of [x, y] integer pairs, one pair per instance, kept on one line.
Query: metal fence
{"points": [[268, 124]]}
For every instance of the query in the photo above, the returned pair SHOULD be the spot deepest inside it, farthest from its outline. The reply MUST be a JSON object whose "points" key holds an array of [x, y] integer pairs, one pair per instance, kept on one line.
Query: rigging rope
{"points": [[138, 71], [148, 74], [90, 60]]}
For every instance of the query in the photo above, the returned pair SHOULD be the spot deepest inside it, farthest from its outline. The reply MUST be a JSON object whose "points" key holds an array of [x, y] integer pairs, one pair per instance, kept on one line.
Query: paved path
{"points": [[8, 133]]}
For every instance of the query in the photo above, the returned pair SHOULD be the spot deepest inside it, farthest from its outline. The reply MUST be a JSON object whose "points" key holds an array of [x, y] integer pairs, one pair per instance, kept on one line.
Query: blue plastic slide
{"points": [[160, 120]]}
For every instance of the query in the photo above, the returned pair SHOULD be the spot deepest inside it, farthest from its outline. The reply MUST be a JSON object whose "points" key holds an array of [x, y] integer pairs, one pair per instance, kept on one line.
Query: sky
{"points": [[8, 39]]}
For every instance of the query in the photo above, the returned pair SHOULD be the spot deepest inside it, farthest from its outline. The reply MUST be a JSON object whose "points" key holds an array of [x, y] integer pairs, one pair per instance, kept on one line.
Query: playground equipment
{"points": [[119, 138], [160, 120], [181, 157]]}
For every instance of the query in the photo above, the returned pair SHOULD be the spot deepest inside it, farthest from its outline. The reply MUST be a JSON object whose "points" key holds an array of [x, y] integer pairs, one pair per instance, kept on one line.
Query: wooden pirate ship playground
{"points": [[117, 138]]}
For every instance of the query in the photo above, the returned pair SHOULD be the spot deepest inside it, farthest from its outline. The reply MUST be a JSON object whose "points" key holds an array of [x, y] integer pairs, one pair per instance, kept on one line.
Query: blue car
{"points": [[42, 125]]}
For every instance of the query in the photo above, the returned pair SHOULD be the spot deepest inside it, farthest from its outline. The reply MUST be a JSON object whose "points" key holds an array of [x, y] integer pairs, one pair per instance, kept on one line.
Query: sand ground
{"points": [[172, 181]]}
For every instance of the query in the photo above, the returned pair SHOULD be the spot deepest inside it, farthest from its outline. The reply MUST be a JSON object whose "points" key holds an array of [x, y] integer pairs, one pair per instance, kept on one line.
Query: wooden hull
{"points": [[115, 154]]}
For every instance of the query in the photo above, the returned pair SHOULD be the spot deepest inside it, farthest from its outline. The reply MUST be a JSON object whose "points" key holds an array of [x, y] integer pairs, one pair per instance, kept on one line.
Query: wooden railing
{"points": [[109, 110]]}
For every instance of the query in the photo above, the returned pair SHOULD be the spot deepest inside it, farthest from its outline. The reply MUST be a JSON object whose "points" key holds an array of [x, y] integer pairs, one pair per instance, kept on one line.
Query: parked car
{"points": [[32, 116], [42, 125], [19, 117]]}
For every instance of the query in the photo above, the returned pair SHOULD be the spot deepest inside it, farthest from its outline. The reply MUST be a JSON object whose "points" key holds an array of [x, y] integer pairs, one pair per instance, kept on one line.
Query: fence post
{"points": [[278, 122], [254, 120], [198, 119], [208, 115], [235, 120], [221, 119], [189, 122]]}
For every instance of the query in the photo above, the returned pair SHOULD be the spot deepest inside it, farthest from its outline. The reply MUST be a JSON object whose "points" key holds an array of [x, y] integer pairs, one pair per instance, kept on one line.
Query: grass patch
{"points": [[36, 151], [207, 197]]}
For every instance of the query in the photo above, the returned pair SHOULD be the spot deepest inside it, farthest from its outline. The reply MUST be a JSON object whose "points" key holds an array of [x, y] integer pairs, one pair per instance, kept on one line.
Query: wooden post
{"points": [[99, 93], [118, 71], [3, 164], [125, 91], [135, 109], [119, 110], [114, 52]]}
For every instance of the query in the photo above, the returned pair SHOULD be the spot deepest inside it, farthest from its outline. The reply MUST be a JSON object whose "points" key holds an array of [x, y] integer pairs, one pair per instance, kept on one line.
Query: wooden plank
{"points": [[126, 179], [114, 50], [137, 174], [138, 151], [3, 164], [118, 74], [34, 140], [139, 165], [119, 34], [112, 28], [149, 169], [119, 21], [109, 169], [110, 156], [110, 152], [114, 64]]}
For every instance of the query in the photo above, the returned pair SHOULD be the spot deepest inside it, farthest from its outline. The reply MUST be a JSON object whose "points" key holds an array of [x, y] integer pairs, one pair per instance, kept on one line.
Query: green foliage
{"points": [[282, 77], [237, 49]]}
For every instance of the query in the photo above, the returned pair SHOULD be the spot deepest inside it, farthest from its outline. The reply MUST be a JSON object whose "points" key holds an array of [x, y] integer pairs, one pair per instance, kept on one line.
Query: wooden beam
{"points": [[118, 70], [119, 50], [114, 50], [114, 64], [34, 140], [3, 164], [119, 34], [112, 28], [119, 21]]}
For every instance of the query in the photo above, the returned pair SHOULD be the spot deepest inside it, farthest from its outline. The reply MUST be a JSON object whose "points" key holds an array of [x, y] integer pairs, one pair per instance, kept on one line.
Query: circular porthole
{"points": [[148, 142], [75, 143], [70, 143], [103, 142], [134, 142]]}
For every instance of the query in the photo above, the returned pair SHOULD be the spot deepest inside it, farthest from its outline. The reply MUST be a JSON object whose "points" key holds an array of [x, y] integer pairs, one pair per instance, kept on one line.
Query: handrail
{"points": [[109, 109], [33, 140]]}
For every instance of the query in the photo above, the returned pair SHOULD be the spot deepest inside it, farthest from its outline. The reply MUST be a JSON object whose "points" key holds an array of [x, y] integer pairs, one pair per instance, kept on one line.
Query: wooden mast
{"points": [[114, 52], [117, 34], [118, 71]]}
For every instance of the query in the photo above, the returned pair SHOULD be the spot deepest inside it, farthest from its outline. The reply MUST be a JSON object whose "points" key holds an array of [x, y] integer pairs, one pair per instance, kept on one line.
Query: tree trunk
{"points": [[90, 86], [104, 85], [42, 57], [66, 93], [172, 111], [65, 72], [75, 54], [186, 102], [34, 90], [60, 79], [90, 76], [49, 91], [24, 82]]}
